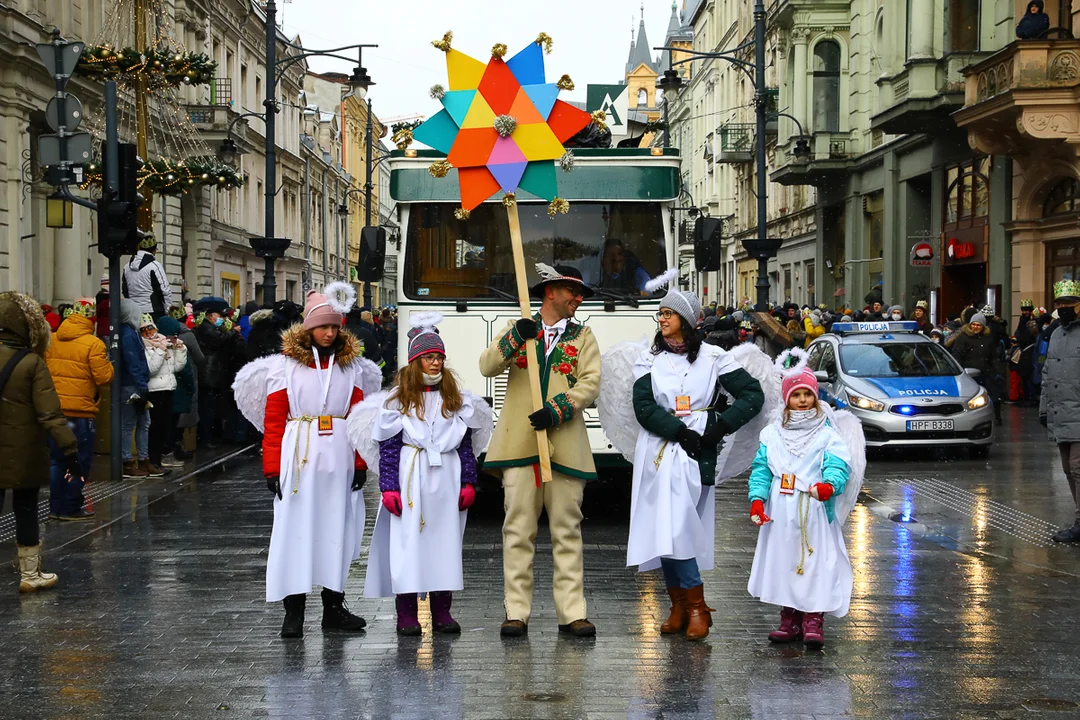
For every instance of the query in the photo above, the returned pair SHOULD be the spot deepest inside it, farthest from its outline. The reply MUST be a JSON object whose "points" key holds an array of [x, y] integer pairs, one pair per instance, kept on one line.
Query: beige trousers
{"points": [[523, 502]]}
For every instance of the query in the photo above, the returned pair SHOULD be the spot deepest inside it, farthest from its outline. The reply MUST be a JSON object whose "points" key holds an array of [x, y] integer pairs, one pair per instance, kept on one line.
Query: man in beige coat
{"points": [[570, 379]]}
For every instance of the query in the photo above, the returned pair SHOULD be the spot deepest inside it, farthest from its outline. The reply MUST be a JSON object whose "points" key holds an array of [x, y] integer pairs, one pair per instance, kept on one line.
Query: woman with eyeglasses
{"points": [[681, 390]]}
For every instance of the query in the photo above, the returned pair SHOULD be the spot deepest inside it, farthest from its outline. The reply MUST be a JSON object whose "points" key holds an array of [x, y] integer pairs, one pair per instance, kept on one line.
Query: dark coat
{"points": [[135, 373], [220, 349], [264, 339], [977, 351], [1060, 400], [1032, 25], [29, 405]]}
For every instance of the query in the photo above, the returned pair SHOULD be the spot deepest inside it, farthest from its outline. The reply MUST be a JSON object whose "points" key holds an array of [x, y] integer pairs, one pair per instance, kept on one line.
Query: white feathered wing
{"points": [[851, 430], [741, 446], [616, 400], [250, 391]]}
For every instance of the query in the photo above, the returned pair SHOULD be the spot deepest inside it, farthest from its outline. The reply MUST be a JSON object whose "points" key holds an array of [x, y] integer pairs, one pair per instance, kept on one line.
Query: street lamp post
{"points": [[268, 247], [367, 190], [761, 247]]}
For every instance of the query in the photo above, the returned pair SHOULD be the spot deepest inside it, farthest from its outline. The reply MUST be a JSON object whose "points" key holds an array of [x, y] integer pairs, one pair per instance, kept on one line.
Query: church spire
{"points": [[640, 52]]}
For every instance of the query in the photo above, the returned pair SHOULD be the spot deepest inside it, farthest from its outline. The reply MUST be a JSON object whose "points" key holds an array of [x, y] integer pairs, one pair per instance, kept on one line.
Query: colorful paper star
{"points": [[465, 129]]}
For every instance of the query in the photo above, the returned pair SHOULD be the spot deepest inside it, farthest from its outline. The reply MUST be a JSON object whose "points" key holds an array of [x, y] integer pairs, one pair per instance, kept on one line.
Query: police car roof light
{"points": [[843, 328]]}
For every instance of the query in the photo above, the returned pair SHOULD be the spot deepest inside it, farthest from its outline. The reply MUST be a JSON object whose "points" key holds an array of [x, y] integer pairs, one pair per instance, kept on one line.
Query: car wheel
{"points": [[979, 452]]}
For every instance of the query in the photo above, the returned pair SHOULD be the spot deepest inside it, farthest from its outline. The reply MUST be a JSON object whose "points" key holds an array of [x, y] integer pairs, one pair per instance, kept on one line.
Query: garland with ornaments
{"points": [[168, 177], [161, 68]]}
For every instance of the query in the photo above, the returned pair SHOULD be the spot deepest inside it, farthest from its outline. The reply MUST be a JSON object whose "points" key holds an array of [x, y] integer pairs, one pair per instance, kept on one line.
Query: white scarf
{"points": [[431, 380], [799, 432]]}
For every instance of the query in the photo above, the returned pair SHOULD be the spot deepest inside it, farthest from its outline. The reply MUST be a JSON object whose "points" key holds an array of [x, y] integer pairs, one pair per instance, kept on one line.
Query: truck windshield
{"points": [[615, 246]]}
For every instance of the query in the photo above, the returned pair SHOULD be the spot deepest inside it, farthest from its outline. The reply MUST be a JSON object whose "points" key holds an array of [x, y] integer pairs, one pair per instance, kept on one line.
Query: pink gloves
{"points": [[391, 500], [467, 497]]}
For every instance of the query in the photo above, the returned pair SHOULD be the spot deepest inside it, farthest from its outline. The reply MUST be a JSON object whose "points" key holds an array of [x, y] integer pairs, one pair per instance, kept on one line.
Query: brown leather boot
{"points": [[677, 618], [698, 612]]}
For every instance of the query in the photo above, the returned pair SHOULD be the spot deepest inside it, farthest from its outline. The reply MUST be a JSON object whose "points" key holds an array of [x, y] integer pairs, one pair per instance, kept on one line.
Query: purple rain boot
{"points": [[408, 622], [441, 620]]}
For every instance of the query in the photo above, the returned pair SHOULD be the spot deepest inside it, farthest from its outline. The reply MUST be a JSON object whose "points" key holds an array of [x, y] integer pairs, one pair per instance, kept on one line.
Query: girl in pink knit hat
{"points": [[299, 399], [801, 469]]}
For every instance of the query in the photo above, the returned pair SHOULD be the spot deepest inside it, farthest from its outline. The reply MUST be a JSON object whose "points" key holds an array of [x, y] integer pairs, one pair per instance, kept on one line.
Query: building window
{"points": [[643, 98], [963, 25], [827, 86], [1062, 263], [967, 198], [811, 285], [1063, 198], [230, 289]]}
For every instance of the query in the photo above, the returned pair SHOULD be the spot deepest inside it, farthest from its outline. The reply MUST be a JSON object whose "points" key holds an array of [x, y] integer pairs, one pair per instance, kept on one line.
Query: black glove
{"points": [[273, 484], [71, 464], [359, 477], [1042, 420], [690, 442], [715, 434], [542, 419], [526, 328]]}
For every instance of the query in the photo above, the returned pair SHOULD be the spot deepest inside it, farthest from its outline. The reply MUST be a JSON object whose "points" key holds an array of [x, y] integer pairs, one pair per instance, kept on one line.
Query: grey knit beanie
{"points": [[686, 304], [978, 318]]}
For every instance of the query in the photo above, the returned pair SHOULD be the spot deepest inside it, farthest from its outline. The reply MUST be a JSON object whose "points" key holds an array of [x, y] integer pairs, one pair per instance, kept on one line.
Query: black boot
{"points": [[335, 616], [1069, 535], [293, 627]]}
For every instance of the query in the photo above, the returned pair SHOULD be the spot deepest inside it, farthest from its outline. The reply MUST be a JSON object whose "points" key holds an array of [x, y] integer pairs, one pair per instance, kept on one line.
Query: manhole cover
{"points": [[544, 697], [1049, 704]]}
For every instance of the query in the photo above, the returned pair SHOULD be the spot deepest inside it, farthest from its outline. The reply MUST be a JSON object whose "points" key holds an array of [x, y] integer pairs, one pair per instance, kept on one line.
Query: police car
{"points": [[906, 389]]}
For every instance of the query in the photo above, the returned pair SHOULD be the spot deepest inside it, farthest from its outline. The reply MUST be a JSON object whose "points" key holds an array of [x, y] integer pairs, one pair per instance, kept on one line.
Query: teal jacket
{"points": [[660, 422], [833, 471]]}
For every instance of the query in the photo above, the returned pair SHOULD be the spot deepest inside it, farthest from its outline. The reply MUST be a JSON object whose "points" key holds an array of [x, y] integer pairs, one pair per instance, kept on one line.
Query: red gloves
{"points": [[467, 497], [391, 500], [821, 491], [757, 513]]}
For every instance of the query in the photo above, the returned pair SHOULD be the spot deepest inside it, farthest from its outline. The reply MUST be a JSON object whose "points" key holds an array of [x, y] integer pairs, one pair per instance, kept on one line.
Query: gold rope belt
{"points": [[804, 535], [660, 455], [300, 463], [408, 487]]}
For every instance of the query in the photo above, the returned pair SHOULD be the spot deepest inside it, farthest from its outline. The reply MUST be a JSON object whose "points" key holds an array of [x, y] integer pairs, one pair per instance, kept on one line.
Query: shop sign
{"points": [[961, 250], [922, 255]]}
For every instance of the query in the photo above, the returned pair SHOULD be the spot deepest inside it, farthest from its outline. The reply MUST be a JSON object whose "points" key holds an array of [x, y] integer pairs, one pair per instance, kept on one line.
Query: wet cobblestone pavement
{"points": [[965, 611]]}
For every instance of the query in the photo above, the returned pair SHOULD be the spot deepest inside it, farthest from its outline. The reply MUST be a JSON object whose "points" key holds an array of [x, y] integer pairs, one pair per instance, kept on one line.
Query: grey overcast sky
{"points": [[592, 39]]}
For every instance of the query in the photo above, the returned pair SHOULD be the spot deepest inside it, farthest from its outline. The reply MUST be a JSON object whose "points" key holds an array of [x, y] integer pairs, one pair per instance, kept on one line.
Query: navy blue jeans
{"points": [[66, 497], [680, 573]]}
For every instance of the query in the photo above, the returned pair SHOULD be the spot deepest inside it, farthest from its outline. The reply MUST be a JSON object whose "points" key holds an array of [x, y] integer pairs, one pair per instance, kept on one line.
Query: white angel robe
{"points": [[826, 581], [421, 550], [671, 512], [319, 522]]}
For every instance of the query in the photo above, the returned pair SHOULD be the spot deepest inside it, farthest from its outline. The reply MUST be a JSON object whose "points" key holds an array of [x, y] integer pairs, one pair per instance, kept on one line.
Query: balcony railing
{"points": [[736, 142], [1027, 92]]}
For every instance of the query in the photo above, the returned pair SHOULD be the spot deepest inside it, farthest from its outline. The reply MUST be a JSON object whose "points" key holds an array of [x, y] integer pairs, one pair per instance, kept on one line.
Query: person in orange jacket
{"points": [[79, 365]]}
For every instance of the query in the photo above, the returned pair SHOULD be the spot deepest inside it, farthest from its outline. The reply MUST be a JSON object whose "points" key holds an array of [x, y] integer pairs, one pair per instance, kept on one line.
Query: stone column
{"points": [[799, 94], [921, 30]]}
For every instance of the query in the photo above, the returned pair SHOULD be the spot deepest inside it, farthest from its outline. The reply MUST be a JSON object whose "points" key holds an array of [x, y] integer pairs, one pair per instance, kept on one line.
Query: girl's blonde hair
{"points": [[409, 390], [786, 415]]}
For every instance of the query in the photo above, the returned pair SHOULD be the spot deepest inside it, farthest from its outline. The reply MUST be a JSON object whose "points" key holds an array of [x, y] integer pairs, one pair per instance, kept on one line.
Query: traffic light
{"points": [[118, 216], [118, 229], [130, 164], [372, 254], [707, 235]]}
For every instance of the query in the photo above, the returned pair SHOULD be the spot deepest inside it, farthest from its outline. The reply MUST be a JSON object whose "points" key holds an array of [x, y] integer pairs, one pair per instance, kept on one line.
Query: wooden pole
{"points": [[530, 343]]}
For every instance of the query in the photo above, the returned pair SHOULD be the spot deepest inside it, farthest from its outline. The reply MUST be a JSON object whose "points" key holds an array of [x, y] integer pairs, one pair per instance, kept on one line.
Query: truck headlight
{"points": [[980, 400], [865, 403]]}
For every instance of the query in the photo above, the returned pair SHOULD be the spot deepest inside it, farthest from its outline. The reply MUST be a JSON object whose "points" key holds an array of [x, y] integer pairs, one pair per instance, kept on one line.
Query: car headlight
{"points": [[980, 400], [865, 403]]}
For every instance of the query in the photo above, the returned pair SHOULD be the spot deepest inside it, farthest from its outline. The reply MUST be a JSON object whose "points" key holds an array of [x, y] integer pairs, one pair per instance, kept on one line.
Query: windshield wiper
{"points": [[628, 299], [497, 291]]}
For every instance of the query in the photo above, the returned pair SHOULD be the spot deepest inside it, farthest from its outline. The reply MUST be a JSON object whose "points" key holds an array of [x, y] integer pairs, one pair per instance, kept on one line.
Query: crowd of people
{"points": [[1010, 364]]}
